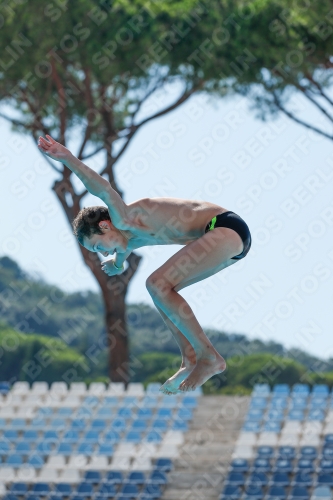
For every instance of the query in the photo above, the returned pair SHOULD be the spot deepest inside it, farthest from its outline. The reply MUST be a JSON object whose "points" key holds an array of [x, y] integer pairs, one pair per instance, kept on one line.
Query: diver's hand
{"points": [[109, 268], [53, 149]]}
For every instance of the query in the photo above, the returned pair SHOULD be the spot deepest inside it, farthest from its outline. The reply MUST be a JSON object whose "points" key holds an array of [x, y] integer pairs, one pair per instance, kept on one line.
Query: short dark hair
{"points": [[86, 222]]}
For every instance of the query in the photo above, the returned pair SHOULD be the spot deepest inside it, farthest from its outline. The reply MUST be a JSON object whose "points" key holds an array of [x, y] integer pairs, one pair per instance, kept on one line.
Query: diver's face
{"points": [[106, 243]]}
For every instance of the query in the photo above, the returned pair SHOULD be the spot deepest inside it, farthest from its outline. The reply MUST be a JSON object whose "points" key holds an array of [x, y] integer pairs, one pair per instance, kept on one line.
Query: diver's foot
{"points": [[204, 370], [172, 384]]}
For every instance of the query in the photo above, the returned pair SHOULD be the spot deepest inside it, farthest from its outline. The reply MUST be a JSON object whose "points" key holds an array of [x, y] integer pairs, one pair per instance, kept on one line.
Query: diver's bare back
{"points": [[165, 221]]}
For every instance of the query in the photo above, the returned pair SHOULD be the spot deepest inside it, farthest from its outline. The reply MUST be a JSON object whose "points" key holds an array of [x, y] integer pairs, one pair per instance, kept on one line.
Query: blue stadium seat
{"points": [[327, 453], [58, 423], [111, 437], [295, 415], [125, 412], [92, 476], [51, 436], [278, 403], [259, 478], [286, 452], [324, 478], [262, 464], [105, 412], [65, 412], [65, 489], [179, 425], [259, 389], [265, 452], [107, 490], [84, 489], [4, 388], [160, 425], [71, 436], [236, 478], [231, 492], [130, 401], [305, 464], [153, 437], [55, 496], [114, 477], [280, 479], [10, 434], [90, 401], [23, 447], [41, 489], [320, 389], [4, 447], [328, 438], [64, 449], [164, 464], [78, 424], [318, 404], [105, 449], [275, 415], [85, 448], [9, 496], [38, 423], [258, 403], [14, 460], [300, 389], [98, 424], [277, 492], [139, 425], [91, 437], [254, 491], [299, 493], [189, 402], [19, 488], [152, 491], [36, 461], [297, 403], [308, 452], [3, 423], [184, 414], [251, 426], [119, 424], [32, 496], [281, 389], [149, 402], [303, 479], [272, 426], [145, 413], [133, 437], [239, 465], [45, 411], [164, 413], [158, 477], [317, 414], [30, 435], [255, 414], [18, 423], [325, 465], [136, 477], [46, 447], [283, 465], [129, 490]]}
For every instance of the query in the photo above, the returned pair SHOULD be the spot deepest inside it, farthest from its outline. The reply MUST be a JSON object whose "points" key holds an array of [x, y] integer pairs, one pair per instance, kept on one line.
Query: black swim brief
{"points": [[233, 221]]}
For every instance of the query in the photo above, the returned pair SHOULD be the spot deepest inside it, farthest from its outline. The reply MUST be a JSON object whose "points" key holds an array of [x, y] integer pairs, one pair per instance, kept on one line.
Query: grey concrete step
{"points": [[200, 470]]}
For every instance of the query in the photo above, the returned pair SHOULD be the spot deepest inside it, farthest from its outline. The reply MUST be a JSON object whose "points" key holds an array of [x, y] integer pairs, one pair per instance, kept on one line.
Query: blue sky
{"points": [[277, 175]]}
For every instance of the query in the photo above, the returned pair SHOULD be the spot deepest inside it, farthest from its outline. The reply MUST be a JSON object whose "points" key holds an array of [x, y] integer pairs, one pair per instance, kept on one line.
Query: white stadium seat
{"points": [[56, 462], [96, 389], [146, 450], [78, 388], [121, 463], [20, 388], [115, 389], [71, 476], [77, 461], [135, 389], [39, 388], [267, 439], [167, 451], [26, 474], [7, 474], [143, 464], [174, 437], [47, 475], [125, 450], [243, 452], [247, 438], [98, 462]]}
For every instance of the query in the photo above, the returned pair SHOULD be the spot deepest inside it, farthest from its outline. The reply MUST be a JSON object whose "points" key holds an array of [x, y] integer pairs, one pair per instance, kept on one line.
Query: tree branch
{"points": [[298, 120], [93, 153], [62, 103]]}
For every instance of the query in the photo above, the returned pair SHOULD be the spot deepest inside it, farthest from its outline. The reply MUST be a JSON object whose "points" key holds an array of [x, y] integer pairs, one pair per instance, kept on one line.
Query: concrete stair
{"points": [[200, 470]]}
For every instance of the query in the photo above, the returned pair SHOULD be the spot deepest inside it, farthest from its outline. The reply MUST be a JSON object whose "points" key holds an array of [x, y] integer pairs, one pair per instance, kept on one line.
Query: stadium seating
{"points": [[284, 450], [82, 442]]}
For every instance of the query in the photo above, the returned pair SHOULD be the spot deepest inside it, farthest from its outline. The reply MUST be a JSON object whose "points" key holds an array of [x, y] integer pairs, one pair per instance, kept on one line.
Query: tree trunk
{"points": [[114, 290]]}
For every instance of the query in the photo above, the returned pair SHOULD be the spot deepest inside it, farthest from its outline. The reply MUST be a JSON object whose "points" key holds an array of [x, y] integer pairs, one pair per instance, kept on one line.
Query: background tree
{"points": [[92, 65]]}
